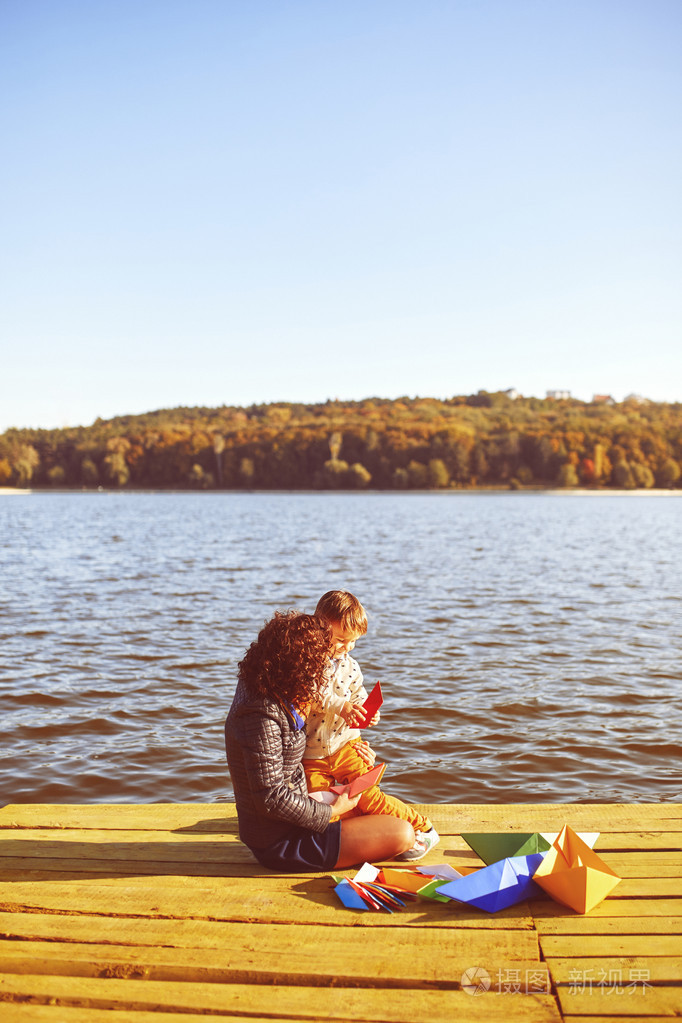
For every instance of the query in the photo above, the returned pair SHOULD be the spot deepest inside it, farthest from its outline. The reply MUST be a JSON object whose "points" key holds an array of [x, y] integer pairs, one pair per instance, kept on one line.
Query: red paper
{"points": [[372, 704], [364, 781]]}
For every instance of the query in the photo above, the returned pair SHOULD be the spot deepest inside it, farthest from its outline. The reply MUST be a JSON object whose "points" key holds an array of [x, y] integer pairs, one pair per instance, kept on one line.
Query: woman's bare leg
{"points": [[373, 837]]}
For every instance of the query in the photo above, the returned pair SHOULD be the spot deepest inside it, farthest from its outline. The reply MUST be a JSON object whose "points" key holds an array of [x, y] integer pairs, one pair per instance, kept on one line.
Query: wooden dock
{"points": [[157, 913]]}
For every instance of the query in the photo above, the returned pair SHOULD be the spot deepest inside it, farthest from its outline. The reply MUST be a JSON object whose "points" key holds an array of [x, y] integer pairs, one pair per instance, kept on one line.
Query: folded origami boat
{"points": [[498, 885], [574, 874], [492, 846]]}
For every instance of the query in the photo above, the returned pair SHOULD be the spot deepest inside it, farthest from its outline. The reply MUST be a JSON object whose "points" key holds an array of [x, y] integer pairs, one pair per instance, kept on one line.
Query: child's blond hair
{"points": [[344, 609]]}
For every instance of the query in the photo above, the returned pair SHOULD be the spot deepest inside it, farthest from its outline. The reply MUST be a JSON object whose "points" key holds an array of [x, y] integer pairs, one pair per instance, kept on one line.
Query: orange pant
{"points": [[347, 764]]}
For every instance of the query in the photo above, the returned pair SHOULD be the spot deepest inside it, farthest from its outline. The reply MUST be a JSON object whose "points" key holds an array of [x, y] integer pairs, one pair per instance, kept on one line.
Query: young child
{"points": [[335, 751]]}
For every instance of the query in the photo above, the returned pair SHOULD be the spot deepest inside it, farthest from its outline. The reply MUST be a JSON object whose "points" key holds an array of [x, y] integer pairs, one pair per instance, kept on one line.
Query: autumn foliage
{"points": [[409, 443]]}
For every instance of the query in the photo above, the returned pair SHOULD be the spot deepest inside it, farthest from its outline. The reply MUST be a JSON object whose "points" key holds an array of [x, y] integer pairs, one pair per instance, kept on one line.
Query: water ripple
{"points": [[528, 646]]}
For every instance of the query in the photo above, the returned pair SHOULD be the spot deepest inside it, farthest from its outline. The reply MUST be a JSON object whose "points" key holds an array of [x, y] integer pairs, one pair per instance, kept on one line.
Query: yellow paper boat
{"points": [[573, 874]]}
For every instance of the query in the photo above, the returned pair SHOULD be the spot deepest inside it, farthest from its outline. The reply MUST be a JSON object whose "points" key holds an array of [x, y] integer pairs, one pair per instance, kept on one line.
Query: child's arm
{"points": [[364, 750], [353, 714]]}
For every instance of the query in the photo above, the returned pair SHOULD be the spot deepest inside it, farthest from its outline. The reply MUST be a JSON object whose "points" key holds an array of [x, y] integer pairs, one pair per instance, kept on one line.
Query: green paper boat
{"points": [[492, 847]]}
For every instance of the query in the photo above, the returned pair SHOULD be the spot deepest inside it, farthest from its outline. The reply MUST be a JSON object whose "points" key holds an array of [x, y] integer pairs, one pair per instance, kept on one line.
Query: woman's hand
{"points": [[343, 805], [353, 714]]}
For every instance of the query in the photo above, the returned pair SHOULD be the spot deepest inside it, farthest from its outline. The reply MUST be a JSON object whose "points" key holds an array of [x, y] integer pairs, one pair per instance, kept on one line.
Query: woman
{"points": [[265, 741]]}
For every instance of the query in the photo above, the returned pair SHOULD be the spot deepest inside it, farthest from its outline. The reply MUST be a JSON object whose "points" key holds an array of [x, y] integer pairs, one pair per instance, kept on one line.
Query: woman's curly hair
{"points": [[289, 658]]}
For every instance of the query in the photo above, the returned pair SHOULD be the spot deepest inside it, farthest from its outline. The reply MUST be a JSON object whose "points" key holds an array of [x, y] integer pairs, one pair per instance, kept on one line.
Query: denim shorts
{"points": [[302, 851]]}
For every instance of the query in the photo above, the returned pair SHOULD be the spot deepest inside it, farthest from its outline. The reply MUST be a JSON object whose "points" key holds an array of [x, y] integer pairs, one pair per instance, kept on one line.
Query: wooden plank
{"points": [[278, 900], [138, 846], [168, 879], [362, 1004], [12, 840], [450, 819], [102, 843], [603, 817], [544, 909], [402, 959], [608, 1001], [620, 970], [218, 935], [207, 817], [83, 870], [627, 865], [20, 1012], [646, 887], [631, 841], [71, 849], [620, 842], [599, 946], [620, 925], [605, 1018], [167, 875], [647, 864], [23, 1013], [190, 857]]}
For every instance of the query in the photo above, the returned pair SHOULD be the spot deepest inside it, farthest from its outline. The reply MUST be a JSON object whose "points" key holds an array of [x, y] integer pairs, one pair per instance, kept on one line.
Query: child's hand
{"points": [[375, 720], [365, 751], [353, 714]]}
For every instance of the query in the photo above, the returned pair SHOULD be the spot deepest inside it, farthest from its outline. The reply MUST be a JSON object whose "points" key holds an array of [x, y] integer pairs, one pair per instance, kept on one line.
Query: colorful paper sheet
{"points": [[324, 796], [574, 874], [367, 873], [349, 896], [406, 880], [369, 890], [444, 871], [498, 885], [372, 704], [364, 781], [430, 890]]}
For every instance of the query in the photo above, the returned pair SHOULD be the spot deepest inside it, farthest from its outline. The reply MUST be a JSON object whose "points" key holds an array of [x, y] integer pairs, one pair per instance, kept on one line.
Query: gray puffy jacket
{"points": [[264, 751]]}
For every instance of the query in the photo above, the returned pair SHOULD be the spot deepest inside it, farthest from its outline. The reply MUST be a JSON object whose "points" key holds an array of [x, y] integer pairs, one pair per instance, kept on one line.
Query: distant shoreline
{"points": [[451, 491]]}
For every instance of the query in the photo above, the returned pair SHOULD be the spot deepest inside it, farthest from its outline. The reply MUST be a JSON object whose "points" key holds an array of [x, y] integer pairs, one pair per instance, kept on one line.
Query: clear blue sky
{"points": [[236, 201]]}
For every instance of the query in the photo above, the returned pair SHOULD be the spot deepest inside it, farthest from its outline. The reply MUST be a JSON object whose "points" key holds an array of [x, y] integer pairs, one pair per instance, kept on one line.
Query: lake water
{"points": [[529, 644]]}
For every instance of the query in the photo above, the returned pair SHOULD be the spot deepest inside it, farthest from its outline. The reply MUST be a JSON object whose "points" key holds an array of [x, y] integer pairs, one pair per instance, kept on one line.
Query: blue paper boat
{"points": [[497, 886]]}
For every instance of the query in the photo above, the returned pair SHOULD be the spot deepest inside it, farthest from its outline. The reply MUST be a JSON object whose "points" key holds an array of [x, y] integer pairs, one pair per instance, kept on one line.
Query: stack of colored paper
{"points": [[393, 885], [369, 890]]}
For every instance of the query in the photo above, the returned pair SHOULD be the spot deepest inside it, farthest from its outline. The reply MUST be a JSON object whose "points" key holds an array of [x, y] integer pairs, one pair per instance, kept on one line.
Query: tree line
{"points": [[486, 439]]}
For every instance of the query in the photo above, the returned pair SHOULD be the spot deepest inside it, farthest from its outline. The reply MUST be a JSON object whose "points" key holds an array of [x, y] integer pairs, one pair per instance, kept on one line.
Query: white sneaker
{"points": [[424, 842]]}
